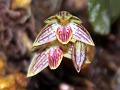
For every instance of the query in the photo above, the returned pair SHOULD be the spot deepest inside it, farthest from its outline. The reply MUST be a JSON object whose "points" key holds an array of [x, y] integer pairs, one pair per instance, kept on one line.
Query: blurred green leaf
{"points": [[99, 15], [114, 10]]}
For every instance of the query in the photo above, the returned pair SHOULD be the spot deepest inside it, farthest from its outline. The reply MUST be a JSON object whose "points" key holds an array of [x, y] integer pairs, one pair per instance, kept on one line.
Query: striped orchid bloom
{"points": [[63, 36]]}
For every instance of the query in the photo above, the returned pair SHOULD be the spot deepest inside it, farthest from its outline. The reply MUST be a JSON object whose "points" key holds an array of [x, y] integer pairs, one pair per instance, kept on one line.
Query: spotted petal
{"points": [[46, 35], [55, 56], [78, 55], [81, 34], [38, 63]]}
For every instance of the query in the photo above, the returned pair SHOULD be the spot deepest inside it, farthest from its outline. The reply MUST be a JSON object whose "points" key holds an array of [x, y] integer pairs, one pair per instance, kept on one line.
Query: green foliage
{"points": [[114, 9], [102, 13], [99, 17]]}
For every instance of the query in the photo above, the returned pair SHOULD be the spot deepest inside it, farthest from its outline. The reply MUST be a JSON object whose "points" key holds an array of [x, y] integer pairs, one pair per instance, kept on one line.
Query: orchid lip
{"points": [[64, 34], [55, 56]]}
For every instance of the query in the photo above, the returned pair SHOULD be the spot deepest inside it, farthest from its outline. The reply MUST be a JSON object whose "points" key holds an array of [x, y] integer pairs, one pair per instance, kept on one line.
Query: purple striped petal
{"points": [[78, 55], [81, 34], [46, 35], [38, 63]]}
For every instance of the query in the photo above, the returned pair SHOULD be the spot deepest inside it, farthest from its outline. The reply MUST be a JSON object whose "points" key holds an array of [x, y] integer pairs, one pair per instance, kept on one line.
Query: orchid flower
{"points": [[63, 36]]}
